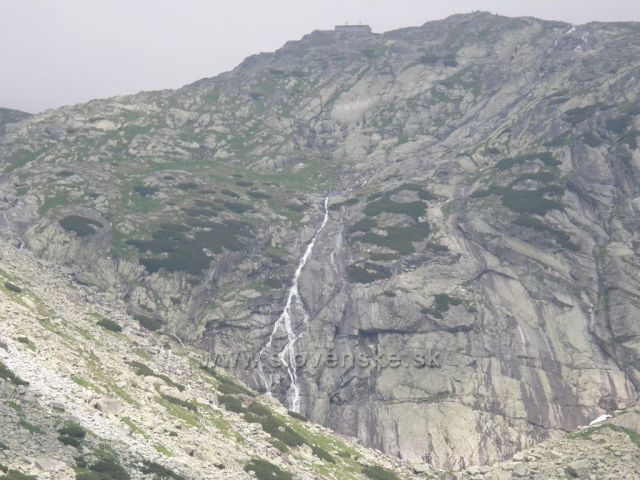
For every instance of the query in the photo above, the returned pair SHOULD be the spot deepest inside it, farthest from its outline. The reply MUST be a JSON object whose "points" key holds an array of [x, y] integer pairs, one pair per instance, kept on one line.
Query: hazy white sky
{"points": [[58, 52]]}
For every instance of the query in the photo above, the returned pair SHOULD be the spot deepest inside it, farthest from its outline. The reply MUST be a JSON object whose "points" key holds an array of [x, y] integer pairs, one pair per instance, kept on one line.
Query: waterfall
{"points": [[288, 353]]}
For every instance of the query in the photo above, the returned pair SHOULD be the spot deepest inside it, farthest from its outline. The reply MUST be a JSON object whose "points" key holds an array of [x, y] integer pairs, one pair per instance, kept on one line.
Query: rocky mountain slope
{"points": [[85, 391], [481, 183], [8, 115]]}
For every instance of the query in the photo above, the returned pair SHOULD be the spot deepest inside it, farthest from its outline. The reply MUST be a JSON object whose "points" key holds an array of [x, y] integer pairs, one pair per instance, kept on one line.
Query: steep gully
{"points": [[294, 305]]}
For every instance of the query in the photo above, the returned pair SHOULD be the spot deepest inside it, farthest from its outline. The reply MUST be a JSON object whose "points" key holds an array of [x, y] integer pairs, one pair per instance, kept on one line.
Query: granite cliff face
{"points": [[482, 175]]}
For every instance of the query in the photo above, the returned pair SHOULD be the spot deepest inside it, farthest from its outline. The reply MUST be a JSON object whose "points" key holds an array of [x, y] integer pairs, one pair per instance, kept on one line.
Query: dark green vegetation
{"points": [[378, 473], [26, 341], [105, 467], [226, 385], [159, 472], [347, 203], [297, 416], [143, 370], [532, 201], [71, 433], [9, 376], [526, 201], [231, 403], [180, 248], [367, 272], [148, 322], [265, 470], [398, 238], [441, 304], [580, 114], [364, 225], [545, 157], [81, 226], [179, 402], [414, 209], [283, 435], [12, 287], [277, 428], [562, 238], [110, 325]]}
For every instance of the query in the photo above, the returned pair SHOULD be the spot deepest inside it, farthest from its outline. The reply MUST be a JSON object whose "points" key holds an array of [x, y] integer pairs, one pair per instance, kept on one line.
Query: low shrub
{"points": [[347, 203], [259, 409], [441, 304], [71, 433], [225, 384], [145, 191], [367, 273], [12, 287], [159, 472], [11, 377], [259, 195], [265, 470], [110, 325], [273, 283], [580, 114], [297, 416], [231, 403], [281, 431], [144, 371], [378, 473], [81, 226], [27, 342], [179, 402], [148, 322], [364, 225], [322, 454]]}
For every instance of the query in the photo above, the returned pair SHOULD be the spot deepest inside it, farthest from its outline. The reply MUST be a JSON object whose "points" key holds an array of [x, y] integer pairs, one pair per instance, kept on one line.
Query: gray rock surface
{"points": [[483, 178]]}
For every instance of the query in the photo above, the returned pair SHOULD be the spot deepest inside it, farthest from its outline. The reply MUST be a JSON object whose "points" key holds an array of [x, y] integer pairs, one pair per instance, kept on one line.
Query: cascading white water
{"points": [[288, 353]]}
